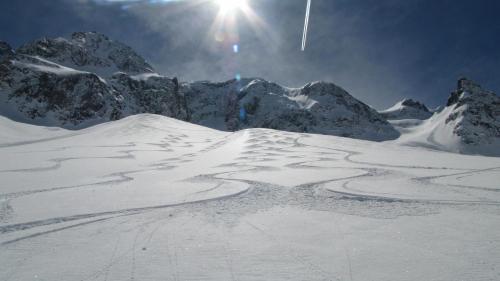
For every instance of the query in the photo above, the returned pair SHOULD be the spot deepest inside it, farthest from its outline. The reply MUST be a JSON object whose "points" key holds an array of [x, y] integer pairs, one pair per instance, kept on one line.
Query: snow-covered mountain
{"points": [[74, 83], [88, 51], [317, 107], [150, 197], [470, 123], [407, 109], [91, 79]]}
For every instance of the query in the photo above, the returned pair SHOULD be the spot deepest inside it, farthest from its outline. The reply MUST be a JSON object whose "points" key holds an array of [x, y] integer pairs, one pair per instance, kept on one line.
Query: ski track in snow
{"points": [[225, 182]]}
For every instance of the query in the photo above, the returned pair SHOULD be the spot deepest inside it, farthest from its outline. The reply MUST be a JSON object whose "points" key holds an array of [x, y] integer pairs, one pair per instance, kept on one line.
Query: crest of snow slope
{"points": [[143, 147], [14, 132], [147, 197], [317, 107], [470, 123], [407, 109]]}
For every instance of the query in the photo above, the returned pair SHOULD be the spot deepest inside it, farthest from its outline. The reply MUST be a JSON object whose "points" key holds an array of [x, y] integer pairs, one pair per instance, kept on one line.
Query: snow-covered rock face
{"points": [[90, 79], [476, 114], [5, 51], [470, 123], [464, 87], [70, 98], [88, 51], [150, 93], [39, 90], [407, 109], [255, 103]]}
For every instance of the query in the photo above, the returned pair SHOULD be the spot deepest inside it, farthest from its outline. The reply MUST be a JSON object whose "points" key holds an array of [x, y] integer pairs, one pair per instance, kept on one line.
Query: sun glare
{"points": [[231, 5], [224, 31]]}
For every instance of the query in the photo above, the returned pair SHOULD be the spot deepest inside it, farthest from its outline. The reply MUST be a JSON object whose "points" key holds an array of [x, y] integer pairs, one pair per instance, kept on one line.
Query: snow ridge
{"points": [[89, 51], [318, 107], [407, 109], [469, 124]]}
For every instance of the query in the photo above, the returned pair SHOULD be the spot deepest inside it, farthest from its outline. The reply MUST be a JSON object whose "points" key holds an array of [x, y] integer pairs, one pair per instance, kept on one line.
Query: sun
{"points": [[231, 13], [231, 5]]}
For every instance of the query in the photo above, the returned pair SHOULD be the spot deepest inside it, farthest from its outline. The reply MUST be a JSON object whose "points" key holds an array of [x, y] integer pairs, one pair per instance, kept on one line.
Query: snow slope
{"points": [[153, 198], [470, 123], [89, 79]]}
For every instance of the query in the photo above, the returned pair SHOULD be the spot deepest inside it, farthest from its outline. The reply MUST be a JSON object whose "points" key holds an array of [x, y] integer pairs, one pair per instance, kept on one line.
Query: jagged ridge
{"points": [[317, 107], [470, 123], [407, 109], [476, 113], [90, 79]]}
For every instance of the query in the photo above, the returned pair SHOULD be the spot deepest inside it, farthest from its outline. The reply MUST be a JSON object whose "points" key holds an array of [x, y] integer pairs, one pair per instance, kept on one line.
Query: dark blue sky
{"points": [[379, 50]]}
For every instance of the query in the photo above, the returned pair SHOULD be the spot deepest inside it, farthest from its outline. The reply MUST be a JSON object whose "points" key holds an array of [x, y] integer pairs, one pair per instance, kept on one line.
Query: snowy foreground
{"points": [[153, 198]]}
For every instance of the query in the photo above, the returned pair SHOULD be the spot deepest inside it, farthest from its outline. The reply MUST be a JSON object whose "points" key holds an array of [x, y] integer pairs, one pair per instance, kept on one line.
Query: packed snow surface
{"points": [[154, 198]]}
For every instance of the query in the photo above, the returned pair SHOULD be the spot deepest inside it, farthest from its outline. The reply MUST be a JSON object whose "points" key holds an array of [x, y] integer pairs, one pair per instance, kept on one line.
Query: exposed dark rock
{"points": [[6, 51], [407, 109], [90, 51], [90, 78], [476, 113], [318, 107]]}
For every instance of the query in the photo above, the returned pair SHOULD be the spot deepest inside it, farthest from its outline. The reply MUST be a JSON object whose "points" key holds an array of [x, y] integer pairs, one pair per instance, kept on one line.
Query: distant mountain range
{"points": [[470, 123], [407, 109], [89, 79]]}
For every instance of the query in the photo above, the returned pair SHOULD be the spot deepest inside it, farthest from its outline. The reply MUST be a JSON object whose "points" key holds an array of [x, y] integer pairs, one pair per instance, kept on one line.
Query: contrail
{"points": [[306, 25]]}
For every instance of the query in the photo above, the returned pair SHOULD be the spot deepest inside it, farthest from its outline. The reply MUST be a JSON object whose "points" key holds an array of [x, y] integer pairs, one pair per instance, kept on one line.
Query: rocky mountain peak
{"points": [[88, 51], [466, 88], [5, 50], [407, 109], [474, 114], [468, 85], [89, 37], [318, 107], [89, 78], [415, 104]]}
